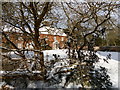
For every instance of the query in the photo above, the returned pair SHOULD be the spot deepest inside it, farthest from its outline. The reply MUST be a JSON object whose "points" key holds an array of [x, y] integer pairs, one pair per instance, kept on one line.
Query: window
{"points": [[19, 45], [62, 39], [20, 38]]}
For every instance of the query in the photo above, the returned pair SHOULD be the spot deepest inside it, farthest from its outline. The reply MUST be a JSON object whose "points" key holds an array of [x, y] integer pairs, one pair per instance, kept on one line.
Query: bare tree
{"points": [[28, 18], [83, 23]]}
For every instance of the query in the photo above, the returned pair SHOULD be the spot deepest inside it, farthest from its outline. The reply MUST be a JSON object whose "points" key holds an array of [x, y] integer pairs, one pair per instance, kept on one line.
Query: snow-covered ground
{"points": [[114, 55], [112, 66], [61, 53]]}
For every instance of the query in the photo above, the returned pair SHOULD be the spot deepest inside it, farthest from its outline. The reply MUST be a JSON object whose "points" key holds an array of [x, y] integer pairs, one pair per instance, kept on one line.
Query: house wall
{"points": [[18, 41], [14, 37], [50, 39]]}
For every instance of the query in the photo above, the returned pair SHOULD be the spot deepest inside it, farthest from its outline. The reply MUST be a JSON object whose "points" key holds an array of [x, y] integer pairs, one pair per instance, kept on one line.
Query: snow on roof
{"points": [[43, 30], [52, 31], [11, 29]]}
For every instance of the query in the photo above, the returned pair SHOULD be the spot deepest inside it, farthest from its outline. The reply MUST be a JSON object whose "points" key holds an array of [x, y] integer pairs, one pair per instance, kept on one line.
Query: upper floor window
{"points": [[20, 38], [62, 39]]}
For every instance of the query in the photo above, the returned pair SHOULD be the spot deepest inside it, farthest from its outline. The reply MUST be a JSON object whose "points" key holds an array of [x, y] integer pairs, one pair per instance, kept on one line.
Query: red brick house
{"points": [[54, 38]]}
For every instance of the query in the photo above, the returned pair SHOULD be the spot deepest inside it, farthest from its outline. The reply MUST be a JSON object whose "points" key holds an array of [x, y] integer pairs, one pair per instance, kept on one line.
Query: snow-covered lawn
{"points": [[114, 55], [61, 53], [112, 66]]}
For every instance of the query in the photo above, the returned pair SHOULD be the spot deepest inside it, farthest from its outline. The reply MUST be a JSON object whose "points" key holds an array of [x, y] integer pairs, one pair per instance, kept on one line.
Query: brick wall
{"points": [[50, 39], [16, 38]]}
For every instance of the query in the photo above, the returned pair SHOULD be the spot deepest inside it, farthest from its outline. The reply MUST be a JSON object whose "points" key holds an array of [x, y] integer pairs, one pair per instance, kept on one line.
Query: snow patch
{"points": [[111, 66]]}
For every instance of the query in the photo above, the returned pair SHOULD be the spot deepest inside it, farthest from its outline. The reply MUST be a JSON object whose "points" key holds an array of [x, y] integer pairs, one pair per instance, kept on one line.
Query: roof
{"points": [[43, 30], [11, 29], [52, 31]]}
